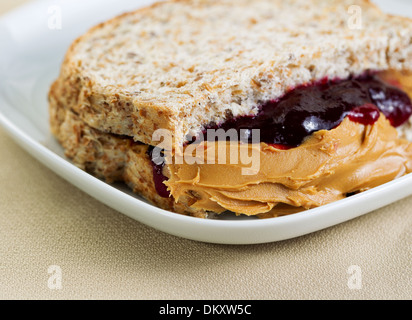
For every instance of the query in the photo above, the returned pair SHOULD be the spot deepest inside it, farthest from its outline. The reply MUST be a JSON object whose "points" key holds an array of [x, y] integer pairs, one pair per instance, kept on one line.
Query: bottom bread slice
{"points": [[111, 158]]}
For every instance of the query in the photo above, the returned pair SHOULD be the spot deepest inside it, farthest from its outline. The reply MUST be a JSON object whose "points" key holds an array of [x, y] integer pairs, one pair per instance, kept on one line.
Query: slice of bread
{"points": [[181, 65], [111, 158]]}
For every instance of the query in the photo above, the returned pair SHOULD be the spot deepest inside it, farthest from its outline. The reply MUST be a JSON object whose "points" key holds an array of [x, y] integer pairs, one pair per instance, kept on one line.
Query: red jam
{"points": [[366, 114], [323, 106], [158, 176]]}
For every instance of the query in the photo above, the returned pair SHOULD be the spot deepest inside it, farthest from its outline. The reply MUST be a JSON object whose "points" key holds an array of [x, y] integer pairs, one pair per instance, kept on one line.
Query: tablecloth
{"points": [[56, 242]]}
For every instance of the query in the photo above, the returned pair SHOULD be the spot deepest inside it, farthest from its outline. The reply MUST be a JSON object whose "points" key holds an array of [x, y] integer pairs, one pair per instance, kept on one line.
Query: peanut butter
{"points": [[327, 167]]}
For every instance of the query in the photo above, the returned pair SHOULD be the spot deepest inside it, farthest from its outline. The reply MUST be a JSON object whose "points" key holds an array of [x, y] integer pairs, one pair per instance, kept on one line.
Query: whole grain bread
{"points": [[112, 158], [181, 65]]}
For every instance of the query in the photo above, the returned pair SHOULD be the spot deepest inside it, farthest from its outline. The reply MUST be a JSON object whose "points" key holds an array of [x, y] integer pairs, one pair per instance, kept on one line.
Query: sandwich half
{"points": [[262, 108]]}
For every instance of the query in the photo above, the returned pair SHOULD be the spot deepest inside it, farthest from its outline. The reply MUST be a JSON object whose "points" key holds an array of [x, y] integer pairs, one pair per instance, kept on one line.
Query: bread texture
{"points": [[111, 158], [182, 65]]}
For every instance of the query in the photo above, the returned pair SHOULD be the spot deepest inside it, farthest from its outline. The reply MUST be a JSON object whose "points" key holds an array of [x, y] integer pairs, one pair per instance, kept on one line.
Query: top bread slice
{"points": [[181, 65]]}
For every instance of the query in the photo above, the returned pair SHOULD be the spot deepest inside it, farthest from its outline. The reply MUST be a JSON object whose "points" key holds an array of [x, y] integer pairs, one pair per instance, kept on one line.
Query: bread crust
{"points": [[120, 77], [111, 158]]}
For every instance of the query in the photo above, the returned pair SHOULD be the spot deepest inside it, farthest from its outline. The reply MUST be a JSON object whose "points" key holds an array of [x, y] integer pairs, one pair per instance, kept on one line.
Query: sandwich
{"points": [[261, 108]]}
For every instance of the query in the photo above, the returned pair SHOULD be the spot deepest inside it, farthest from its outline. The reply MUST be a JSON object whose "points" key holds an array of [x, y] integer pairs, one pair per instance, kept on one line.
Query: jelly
{"points": [[158, 176], [323, 106]]}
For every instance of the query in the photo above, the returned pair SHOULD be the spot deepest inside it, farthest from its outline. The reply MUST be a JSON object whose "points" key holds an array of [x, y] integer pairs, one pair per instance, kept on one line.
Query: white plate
{"points": [[31, 53]]}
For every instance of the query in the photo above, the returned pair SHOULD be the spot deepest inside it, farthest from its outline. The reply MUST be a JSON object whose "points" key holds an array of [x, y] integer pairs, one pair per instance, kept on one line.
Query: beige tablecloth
{"points": [[58, 243]]}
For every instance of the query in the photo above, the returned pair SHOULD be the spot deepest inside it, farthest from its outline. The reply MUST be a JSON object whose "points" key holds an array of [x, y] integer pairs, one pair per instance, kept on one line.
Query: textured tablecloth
{"points": [[56, 242]]}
